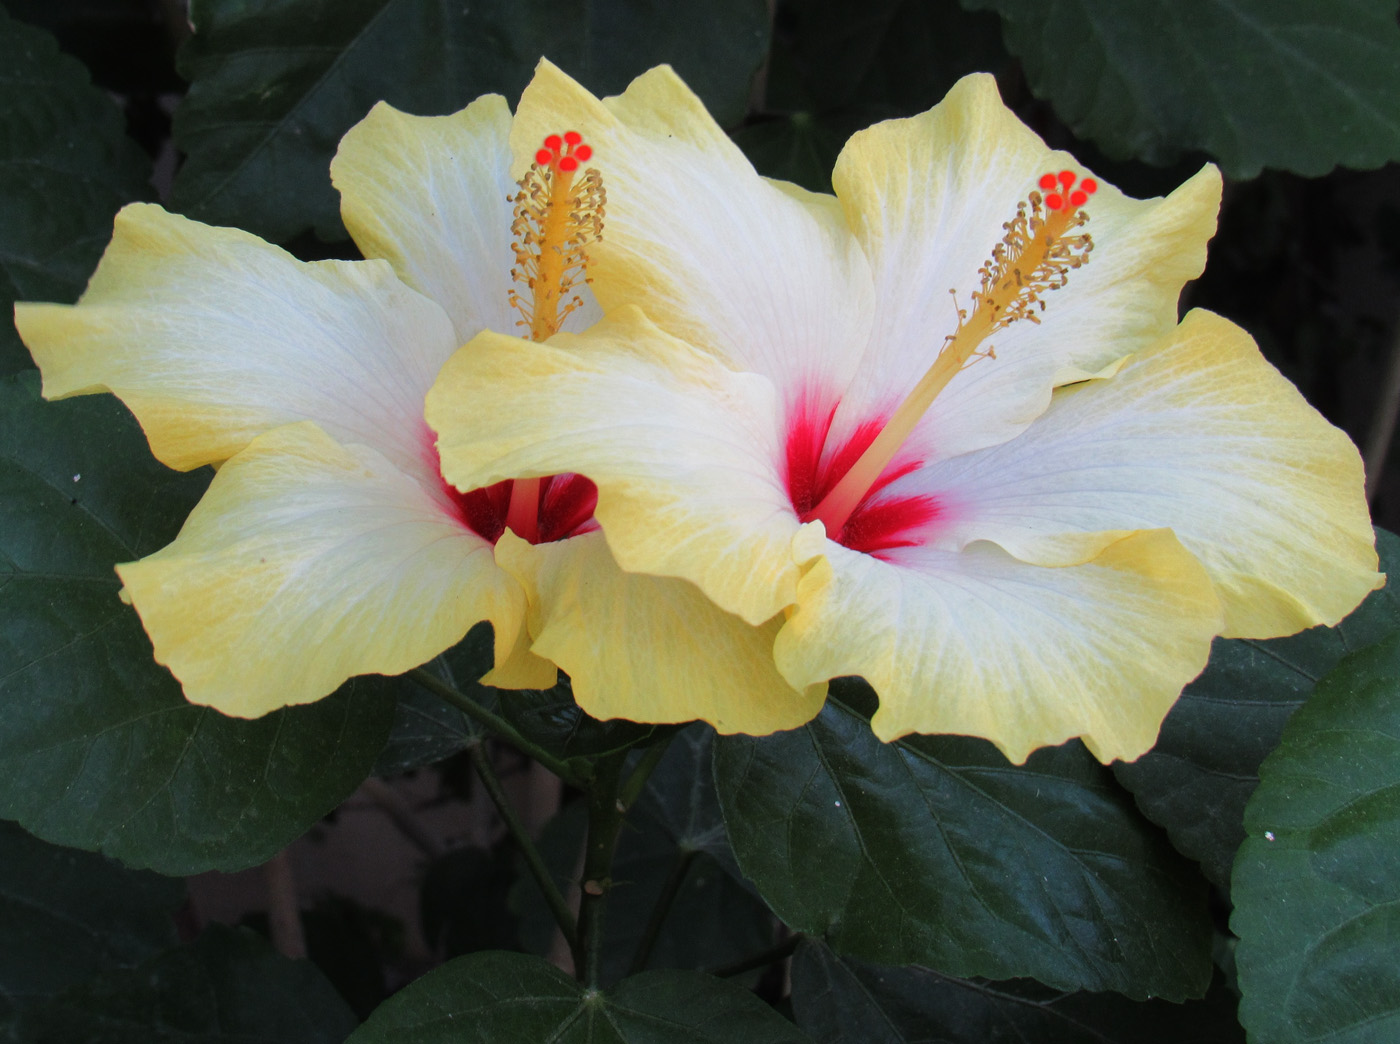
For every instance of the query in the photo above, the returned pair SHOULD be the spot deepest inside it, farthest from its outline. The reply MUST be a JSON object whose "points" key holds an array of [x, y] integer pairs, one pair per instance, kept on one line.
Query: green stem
{"points": [[605, 813], [759, 960], [558, 905], [679, 869], [493, 722]]}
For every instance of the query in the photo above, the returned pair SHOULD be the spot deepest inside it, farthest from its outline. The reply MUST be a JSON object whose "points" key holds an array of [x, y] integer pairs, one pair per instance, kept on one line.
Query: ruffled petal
{"points": [[650, 648], [715, 254], [927, 197], [212, 337], [431, 195], [1199, 434], [309, 562], [978, 643], [685, 452]]}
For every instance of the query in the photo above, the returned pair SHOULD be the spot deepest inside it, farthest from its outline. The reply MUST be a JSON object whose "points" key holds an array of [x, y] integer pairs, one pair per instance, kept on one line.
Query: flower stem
{"points": [[605, 814], [680, 869], [495, 724], [558, 905]]}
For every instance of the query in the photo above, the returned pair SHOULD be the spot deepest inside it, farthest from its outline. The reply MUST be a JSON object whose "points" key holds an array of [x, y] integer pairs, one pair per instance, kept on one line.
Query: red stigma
{"points": [[1065, 198], [556, 155]]}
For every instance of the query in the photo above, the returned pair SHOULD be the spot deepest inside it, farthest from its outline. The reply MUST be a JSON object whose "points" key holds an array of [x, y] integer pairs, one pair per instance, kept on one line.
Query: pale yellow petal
{"points": [[978, 643], [714, 253], [306, 563], [1200, 434], [212, 336], [687, 454], [927, 198], [649, 648], [431, 195]]}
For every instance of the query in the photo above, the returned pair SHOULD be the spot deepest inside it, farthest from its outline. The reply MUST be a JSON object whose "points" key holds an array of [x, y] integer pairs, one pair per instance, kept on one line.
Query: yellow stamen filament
{"points": [[1035, 256], [556, 218]]}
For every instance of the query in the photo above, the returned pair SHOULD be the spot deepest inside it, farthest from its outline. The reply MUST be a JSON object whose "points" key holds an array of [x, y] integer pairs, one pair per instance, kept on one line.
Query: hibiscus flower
{"points": [[328, 544], [943, 426]]}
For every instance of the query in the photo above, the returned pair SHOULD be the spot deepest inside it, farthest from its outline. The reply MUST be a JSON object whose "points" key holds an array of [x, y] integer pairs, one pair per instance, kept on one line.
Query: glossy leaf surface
{"points": [[935, 850], [511, 997], [66, 167], [276, 83], [228, 987], [1317, 882], [844, 1001], [1253, 83], [66, 915], [1196, 780], [98, 748]]}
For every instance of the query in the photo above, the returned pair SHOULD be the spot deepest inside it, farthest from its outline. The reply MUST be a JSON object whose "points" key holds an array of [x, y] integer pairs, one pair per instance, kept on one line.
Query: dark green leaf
{"points": [[1255, 83], [800, 148], [275, 83], [98, 748], [66, 166], [712, 919], [426, 728], [66, 915], [228, 987], [836, 67], [680, 796], [1196, 780], [1317, 882], [882, 58], [510, 998], [936, 851], [851, 1002]]}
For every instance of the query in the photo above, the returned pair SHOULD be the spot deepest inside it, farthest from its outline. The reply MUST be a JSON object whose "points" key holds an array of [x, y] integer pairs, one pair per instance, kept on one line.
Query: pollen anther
{"points": [[558, 213]]}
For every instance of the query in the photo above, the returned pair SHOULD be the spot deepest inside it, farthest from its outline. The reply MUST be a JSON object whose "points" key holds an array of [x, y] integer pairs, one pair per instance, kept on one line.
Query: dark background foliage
{"points": [[924, 890]]}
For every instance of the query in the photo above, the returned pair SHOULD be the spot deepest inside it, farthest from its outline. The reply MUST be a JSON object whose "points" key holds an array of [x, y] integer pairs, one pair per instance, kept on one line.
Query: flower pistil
{"points": [[1035, 256]]}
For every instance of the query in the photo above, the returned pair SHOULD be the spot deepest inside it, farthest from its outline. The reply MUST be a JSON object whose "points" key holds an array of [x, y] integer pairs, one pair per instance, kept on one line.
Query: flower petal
{"points": [[212, 336], [431, 195], [978, 643], [650, 648], [683, 450], [717, 255], [928, 197], [1200, 434], [307, 563]]}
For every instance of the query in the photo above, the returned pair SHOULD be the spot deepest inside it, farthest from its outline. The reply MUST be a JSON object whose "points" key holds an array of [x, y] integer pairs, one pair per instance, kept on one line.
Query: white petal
{"points": [[1199, 434], [715, 254], [307, 563], [977, 643], [928, 197], [431, 195], [212, 336]]}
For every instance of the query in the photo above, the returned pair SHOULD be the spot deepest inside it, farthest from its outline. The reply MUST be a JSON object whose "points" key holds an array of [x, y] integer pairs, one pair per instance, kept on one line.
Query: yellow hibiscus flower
{"points": [[1021, 510], [328, 544]]}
